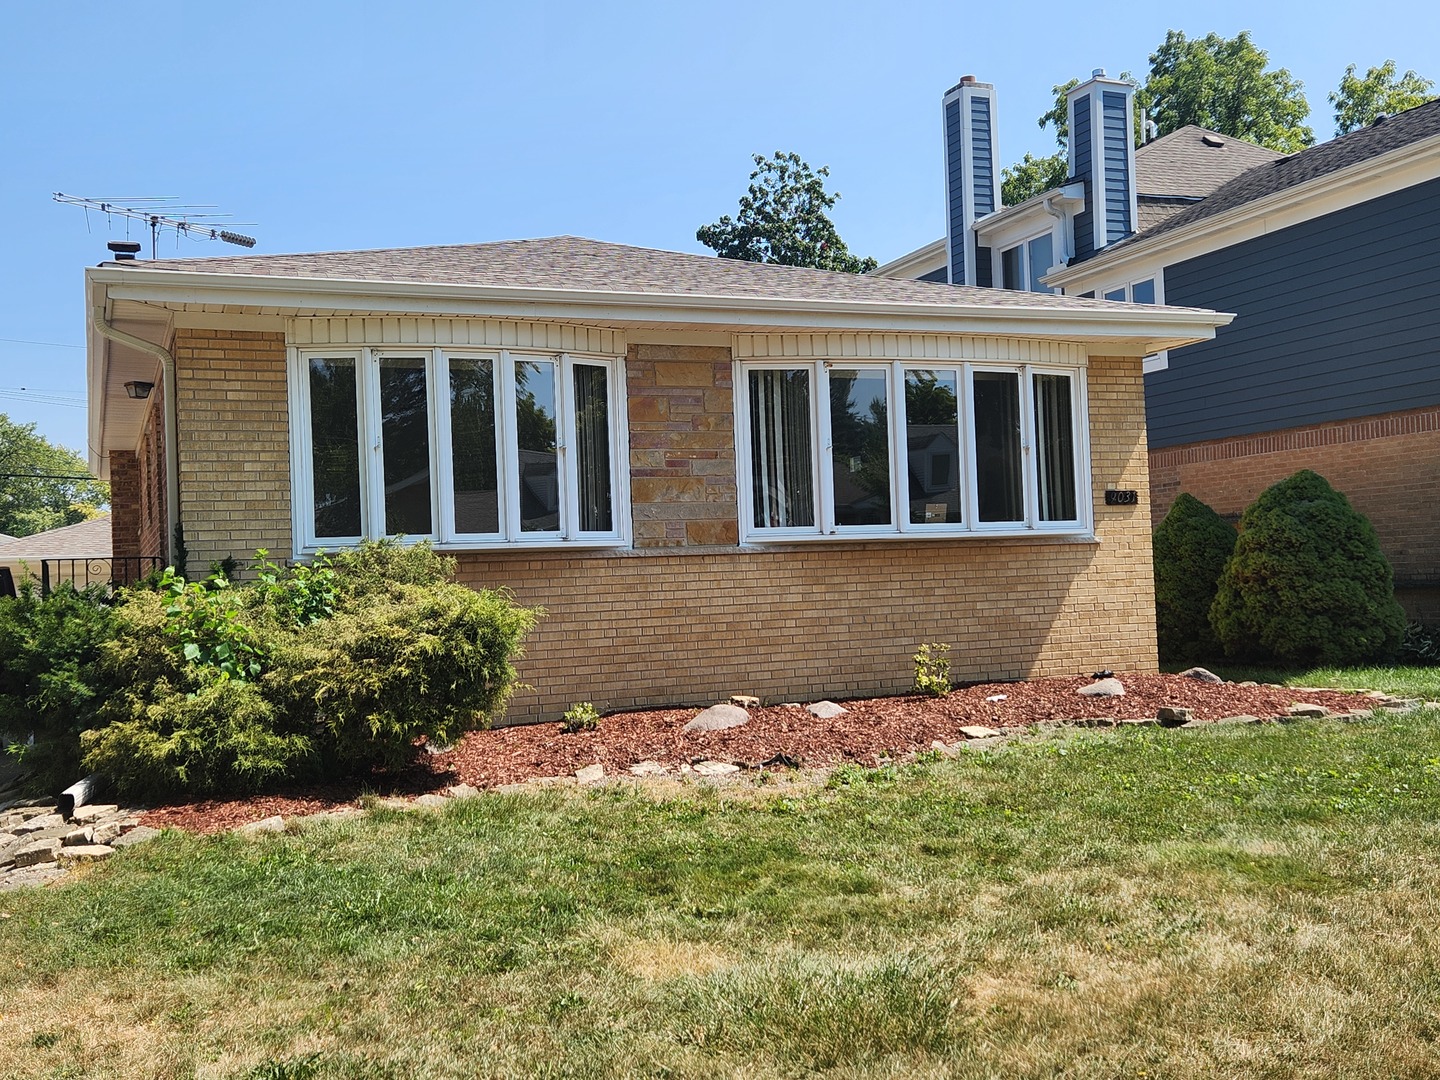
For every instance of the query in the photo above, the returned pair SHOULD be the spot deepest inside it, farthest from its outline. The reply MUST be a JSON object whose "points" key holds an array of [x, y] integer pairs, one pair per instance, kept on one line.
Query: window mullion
{"points": [[442, 454], [967, 438], [509, 452], [899, 451], [824, 448], [1029, 451], [367, 385], [568, 446]]}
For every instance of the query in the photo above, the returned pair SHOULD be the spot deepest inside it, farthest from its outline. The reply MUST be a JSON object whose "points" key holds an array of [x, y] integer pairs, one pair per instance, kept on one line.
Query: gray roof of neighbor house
{"points": [[1270, 178], [574, 263], [84, 540], [1194, 161]]}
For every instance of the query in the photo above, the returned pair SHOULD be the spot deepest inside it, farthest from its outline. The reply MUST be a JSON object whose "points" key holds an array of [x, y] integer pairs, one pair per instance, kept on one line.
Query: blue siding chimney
{"points": [[1102, 154], [972, 180]]}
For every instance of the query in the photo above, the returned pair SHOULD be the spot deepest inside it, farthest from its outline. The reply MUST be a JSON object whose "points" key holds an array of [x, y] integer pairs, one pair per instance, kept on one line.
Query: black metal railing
{"points": [[108, 570]]}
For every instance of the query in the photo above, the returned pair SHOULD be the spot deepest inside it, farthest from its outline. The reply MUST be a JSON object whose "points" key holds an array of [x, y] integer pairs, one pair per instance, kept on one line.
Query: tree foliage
{"points": [[1358, 101], [1030, 176], [39, 488], [783, 219], [1307, 583], [1191, 547]]}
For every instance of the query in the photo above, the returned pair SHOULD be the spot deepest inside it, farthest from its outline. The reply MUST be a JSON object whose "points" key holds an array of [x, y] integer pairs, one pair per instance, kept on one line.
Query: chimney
{"points": [[123, 250], [1102, 154], [972, 177]]}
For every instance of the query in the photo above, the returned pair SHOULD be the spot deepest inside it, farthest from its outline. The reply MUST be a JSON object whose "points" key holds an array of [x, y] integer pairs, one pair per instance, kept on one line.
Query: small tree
{"points": [[1358, 101], [1191, 545], [1307, 582], [783, 219], [1030, 176]]}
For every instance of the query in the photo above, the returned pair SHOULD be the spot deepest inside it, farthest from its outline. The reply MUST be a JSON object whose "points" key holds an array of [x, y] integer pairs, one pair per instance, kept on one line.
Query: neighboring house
{"points": [[78, 553], [1329, 257], [714, 476]]}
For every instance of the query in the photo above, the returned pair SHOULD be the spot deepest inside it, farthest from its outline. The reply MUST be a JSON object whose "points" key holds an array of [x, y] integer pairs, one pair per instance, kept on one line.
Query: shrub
{"points": [[300, 595], [203, 620], [932, 669], [1191, 545], [582, 716], [1420, 645], [1307, 583], [50, 686]]}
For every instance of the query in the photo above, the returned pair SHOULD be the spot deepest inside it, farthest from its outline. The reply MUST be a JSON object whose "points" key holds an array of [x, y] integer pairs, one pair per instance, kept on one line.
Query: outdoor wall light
{"points": [[139, 390]]}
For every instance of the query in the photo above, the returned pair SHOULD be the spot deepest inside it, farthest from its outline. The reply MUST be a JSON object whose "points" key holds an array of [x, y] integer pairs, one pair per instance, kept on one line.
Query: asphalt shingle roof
{"points": [[575, 263], [85, 540], [1184, 163]]}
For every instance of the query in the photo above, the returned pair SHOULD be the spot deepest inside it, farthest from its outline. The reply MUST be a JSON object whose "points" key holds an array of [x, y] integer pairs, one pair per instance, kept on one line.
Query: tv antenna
{"points": [[196, 221]]}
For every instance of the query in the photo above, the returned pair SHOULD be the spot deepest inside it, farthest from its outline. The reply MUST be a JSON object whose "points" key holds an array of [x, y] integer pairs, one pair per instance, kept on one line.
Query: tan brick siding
{"points": [[682, 446], [233, 440], [836, 619], [1388, 466]]}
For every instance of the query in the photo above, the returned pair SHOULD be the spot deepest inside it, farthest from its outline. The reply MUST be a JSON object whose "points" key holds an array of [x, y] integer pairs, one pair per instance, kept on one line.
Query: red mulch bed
{"points": [[871, 729]]}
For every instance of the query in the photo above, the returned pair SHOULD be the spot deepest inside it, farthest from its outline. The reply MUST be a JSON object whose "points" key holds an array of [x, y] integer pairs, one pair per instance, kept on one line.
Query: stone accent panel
{"points": [[233, 441], [682, 446], [1388, 466]]}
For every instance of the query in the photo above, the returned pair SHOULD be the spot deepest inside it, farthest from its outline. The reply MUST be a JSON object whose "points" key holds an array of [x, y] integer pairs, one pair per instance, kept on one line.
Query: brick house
{"points": [[714, 476], [1330, 258]]}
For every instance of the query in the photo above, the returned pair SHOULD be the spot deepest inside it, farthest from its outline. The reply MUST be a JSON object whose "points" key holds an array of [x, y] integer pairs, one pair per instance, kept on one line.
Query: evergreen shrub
{"points": [[1191, 547], [1307, 583]]}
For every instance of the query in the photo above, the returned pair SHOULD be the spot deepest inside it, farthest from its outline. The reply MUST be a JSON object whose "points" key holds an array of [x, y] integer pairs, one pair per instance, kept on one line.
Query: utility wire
{"points": [[48, 344]]}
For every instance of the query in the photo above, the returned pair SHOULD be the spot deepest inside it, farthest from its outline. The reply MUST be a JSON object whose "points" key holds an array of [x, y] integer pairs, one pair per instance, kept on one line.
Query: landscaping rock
{"points": [[88, 815], [37, 851], [992, 743], [590, 773], [431, 801], [1199, 674], [717, 718], [648, 768], [78, 837], [1103, 688], [997, 697], [273, 824], [1303, 709], [1093, 721], [1401, 704], [1144, 721], [462, 791], [1173, 715], [745, 701], [1242, 718], [137, 835], [715, 768], [105, 832], [825, 710], [38, 822], [978, 731], [85, 853]]}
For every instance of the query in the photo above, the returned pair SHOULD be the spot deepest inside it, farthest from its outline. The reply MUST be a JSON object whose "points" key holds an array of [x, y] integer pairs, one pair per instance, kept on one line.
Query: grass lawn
{"points": [[1401, 680], [1230, 902]]}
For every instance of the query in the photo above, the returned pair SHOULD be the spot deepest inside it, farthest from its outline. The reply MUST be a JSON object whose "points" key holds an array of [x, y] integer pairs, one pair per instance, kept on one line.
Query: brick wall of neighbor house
{"points": [[1388, 466], [150, 462], [690, 624], [682, 445], [233, 441], [125, 499]]}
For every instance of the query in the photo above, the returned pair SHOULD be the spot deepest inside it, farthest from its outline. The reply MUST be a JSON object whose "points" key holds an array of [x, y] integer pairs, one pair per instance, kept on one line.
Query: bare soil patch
{"points": [[871, 730]]}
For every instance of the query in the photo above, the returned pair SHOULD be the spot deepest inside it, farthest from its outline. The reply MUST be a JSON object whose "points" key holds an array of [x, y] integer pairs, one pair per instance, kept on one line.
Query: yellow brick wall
{"points": [[232, 435]]}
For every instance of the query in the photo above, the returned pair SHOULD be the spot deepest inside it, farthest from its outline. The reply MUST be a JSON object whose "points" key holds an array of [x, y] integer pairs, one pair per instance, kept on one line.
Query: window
{"points": [[466, 448], [1145, 291], [916, 448], [1022, 266]]}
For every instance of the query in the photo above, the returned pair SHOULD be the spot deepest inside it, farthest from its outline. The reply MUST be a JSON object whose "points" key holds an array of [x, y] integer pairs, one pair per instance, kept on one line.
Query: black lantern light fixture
{"points": [[139, 390]]}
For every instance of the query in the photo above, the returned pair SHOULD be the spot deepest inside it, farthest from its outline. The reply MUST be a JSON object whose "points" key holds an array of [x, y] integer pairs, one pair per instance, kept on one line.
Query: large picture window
{"points": [[941, 447], [464, 448]]}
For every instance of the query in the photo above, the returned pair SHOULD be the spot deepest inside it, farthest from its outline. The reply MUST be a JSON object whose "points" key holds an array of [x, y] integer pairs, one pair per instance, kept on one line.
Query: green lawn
{"points": [[1229, 902], [1402, 680]]}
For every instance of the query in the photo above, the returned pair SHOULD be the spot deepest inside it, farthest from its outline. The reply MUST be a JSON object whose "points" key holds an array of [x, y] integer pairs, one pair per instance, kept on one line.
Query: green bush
{"points": [[1307, 583], [1191, 548], [50, 686], [932, 669]]}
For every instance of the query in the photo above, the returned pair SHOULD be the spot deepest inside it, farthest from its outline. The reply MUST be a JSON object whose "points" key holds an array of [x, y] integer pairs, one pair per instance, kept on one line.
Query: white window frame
{"points": [[900, 528], [437, 369], [1155, 361], [997, 263]]}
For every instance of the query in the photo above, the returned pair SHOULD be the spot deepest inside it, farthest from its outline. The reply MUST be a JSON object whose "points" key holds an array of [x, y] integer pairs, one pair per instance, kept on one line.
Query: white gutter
{"points": [[167, 369]]}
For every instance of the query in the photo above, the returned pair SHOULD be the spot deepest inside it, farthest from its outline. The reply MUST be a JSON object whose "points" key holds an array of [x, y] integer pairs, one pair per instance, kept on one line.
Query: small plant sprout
{"points": [[582, 716], [932, 669]]}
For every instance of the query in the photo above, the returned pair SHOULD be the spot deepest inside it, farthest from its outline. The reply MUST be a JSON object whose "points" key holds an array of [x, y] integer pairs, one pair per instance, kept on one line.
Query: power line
{"points": [[48, 344], [43, 476]]}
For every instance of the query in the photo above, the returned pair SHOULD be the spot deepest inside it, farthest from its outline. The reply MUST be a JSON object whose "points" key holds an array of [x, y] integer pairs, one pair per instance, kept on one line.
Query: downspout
{"points": [[167, 370], [1066, 244]]}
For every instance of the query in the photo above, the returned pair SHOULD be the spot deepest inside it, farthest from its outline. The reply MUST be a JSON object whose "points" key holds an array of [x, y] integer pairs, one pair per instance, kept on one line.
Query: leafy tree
{"points": [[1191, 547], [1059, 115], [1223, 84], [783, 219], [39, 483], [1307, 583], [1359, 101], [1030, 176]]}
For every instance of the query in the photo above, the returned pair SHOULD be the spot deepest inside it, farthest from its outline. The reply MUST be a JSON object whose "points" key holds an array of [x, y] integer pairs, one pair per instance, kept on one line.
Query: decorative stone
{"points": [[1301, 708], [590, 773], [717, 718], [997, 697], [105, 832], [715, 768], [88, 815], [37, 852], [1241, 718], [137, 835], [978, 731], [38, 822], [78, 837], [1401, 704], [1199, 674], [1103, 688], [1094, 721], [648, 768], [1173, 715], [984, 744], [85, 853], [431, 801], [273, 824], [1144, 721], [826, 710], [745, 701], [462, 791]]}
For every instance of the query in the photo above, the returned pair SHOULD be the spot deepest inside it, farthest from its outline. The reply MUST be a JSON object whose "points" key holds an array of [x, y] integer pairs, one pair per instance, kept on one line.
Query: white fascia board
{"points": [[97, 360], [997, 231], [626, 310], [912, 264], [1339, 190]]}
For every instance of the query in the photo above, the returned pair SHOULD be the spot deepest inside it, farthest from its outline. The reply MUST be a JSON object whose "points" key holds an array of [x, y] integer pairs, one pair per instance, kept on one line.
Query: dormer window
{"points": [[1022, 266]]}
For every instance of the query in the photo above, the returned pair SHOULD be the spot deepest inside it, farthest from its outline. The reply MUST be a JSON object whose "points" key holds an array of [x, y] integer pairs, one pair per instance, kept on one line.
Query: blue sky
{"points": [[354, 125]]}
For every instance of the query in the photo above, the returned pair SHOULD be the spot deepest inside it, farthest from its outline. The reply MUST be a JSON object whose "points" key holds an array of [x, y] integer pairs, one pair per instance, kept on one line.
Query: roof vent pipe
{"points": [[1380, 119], [1098, 73], [967, 80]]}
